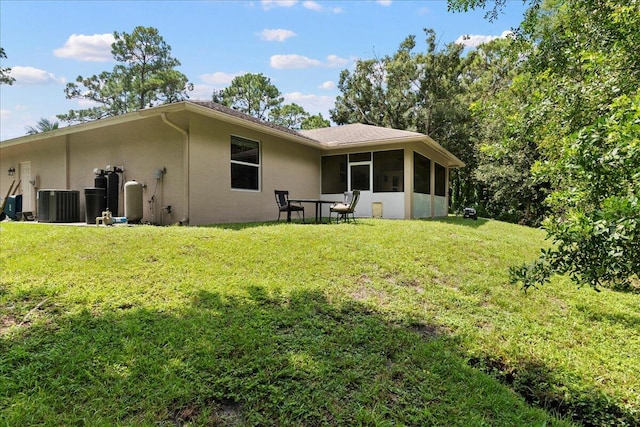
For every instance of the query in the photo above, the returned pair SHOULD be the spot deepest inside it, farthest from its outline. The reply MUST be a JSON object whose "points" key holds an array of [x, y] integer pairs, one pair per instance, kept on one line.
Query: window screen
{"points": [[421, 174], [441, 180], [388, 171], [334, 174]]}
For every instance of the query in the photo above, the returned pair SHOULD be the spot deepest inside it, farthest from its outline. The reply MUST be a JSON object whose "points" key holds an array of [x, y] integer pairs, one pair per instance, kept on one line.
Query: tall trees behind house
{"points": [[145, 76], [255, 95], [44, 125], [418, 90], [573, 107]]}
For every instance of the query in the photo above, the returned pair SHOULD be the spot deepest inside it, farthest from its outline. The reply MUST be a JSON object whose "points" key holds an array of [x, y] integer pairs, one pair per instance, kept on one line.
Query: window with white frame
{"points": [[245, 164]]}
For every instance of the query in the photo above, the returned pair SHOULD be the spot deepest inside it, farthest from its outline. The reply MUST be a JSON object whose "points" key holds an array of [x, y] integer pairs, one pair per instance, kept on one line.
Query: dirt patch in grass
{"points": [[223, 414], [7, 321]]}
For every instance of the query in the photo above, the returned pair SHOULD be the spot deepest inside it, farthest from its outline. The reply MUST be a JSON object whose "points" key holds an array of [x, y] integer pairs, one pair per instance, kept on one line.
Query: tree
{"points": [[315, 122], [5, 73], [587, 62], [500, 93], [44, 125], [289, 115], [255, 95], [252, 94], [144, 76], [466, 5], [580, 70]]}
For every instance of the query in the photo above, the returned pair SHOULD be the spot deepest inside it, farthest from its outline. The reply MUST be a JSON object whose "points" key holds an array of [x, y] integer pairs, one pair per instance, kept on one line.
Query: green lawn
{"points": [[381, 323]]}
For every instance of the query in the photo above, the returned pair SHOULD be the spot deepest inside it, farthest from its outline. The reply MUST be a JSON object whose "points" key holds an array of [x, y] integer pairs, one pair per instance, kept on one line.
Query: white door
{"points": [[360, 178], [24, 174]]}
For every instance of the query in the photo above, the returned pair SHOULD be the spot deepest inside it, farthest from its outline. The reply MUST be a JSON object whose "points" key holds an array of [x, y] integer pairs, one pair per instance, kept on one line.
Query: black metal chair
{"points": [[282, 199], [343, 210]]}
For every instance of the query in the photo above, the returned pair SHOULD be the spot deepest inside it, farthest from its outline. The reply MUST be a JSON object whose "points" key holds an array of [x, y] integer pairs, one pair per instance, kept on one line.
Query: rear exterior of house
{"points": [[201, 163]]}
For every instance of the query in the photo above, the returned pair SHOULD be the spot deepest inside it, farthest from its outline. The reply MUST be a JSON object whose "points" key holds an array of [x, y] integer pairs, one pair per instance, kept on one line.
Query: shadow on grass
{"points": [[542, 387], [264, 359]]}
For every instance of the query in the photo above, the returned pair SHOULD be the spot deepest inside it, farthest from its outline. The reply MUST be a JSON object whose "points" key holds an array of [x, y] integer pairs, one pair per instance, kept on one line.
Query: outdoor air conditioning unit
{"points": [[58, 206]]}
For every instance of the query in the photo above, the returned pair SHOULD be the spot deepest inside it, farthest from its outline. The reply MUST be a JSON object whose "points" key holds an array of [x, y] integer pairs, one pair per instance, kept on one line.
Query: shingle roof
{"points": [[358, 133], [230, 111]]}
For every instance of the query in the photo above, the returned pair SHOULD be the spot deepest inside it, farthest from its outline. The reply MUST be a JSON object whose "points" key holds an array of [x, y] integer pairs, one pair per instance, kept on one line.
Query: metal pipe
{"points": [[185, 167]]}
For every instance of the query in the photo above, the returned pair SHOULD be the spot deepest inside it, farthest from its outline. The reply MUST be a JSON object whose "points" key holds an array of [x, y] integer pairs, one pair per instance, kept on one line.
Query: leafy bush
{"points": [[596, 225]]}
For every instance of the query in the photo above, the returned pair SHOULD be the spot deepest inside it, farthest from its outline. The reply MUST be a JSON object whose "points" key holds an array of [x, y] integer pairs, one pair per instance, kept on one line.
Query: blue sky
{"points": [[300, 45]]}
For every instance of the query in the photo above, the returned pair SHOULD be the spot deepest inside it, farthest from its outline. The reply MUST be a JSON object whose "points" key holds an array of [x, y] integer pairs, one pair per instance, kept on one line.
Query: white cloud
{"points": [[312, 5], [270, 4], [292, 61], [475, 40], [34, 76], [278, 35], [87, 48], [336, 61], [201, 92], [328, 85], [314, 104], [288, 62], [384, 2], [219, 78], [317, 7], [86, 103]]}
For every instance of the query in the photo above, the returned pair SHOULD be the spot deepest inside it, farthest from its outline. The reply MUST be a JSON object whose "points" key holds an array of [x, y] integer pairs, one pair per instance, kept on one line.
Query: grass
{"points": [[379, 323]]}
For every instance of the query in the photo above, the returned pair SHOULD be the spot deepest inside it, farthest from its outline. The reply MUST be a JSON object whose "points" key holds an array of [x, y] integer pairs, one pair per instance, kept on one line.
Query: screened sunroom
{"points": [[400, 174]]}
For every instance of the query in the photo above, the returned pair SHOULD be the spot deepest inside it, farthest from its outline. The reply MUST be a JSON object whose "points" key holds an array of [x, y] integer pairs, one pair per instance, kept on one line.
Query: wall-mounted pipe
{"points": [[185, 167]]}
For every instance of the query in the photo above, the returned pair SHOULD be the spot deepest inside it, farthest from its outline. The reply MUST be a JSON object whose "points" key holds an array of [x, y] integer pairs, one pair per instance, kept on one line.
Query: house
{"points": [[202, 163]]}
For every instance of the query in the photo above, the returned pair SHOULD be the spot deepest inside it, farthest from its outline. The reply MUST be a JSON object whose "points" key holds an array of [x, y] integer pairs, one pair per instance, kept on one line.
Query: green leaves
{"points": [[5, 72], [252, 94], [595, 226], [144, 76]]}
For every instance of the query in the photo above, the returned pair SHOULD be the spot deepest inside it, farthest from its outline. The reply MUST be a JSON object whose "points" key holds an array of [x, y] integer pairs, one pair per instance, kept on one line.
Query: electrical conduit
{"points": [[185, 167]]}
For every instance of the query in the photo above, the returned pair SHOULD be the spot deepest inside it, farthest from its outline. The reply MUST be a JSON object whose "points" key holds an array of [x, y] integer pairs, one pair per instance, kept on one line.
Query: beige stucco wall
{"points": [[141, 148], [285, 165], [48, 165]]}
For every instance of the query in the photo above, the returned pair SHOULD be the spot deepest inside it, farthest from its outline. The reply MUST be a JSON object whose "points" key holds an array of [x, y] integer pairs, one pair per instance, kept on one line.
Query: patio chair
{"points": [[347, 207], [282, 199]]}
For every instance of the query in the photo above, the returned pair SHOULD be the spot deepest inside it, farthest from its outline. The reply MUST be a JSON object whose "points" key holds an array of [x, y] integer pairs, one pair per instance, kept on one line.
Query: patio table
{"points": [[317, 202]]}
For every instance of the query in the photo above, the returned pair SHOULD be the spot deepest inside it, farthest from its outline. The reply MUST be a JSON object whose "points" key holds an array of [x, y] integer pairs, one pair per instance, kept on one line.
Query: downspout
{"points": [[67, 162], [185, 167]]}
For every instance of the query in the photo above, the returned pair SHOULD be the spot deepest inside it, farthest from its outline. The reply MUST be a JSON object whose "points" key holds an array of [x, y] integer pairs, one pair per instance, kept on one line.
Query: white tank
{"points": [[133, 201]]}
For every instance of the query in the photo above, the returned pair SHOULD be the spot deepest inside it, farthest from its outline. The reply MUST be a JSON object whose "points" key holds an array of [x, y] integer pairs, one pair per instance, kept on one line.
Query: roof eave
{"points": [[453, 161], [157, 111], [220, 115]]}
